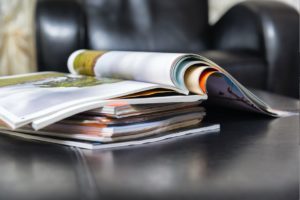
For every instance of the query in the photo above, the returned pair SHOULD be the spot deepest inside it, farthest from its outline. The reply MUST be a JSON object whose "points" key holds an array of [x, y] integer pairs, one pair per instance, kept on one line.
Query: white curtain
{"points": [[17, 40]]}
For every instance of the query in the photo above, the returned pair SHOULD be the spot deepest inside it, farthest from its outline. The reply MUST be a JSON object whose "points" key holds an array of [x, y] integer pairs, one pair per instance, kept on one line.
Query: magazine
{"points": [[28, 98], [125, 110], [186, 73], [107, 133], [168, 135], [97, 78]]}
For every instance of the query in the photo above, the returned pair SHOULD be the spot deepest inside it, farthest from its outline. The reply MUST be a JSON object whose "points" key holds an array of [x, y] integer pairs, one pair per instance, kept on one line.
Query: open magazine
{"points": [[98, 78]]}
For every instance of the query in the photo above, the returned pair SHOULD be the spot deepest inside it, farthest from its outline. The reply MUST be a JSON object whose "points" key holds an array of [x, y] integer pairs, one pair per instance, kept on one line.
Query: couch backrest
{"points": [[147, 25]]}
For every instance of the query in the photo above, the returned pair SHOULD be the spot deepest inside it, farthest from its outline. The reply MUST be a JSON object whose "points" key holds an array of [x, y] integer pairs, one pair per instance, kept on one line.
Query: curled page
{"points": [[190, 73], [139, 66]]}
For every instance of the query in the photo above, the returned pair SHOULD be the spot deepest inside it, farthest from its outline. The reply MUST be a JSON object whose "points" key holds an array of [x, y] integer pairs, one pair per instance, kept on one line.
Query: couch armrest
{"points": [[59, 31], [271, 29]]}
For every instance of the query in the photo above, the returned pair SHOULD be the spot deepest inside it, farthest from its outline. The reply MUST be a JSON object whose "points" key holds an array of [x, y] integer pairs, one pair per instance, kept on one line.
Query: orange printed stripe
{"points": [[203, 78]]}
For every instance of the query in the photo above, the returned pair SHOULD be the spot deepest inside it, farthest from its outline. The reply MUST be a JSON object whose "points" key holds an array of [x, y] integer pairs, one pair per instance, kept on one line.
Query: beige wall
{"points": [[218, 7]]}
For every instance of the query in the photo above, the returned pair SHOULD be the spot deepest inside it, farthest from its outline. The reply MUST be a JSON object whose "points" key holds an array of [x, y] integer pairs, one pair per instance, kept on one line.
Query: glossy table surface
{"points": [[252, 157]]}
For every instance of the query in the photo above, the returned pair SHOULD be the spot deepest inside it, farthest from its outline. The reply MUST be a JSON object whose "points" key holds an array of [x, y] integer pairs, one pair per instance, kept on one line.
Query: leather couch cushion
{"points": [[144, 25]]}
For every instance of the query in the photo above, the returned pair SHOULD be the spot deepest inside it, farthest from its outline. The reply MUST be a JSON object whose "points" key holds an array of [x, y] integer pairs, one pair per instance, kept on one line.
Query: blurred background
{"points": [[17, 32], [257, 41]]}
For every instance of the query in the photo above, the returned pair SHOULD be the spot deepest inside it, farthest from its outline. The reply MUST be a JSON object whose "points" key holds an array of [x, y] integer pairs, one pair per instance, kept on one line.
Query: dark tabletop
{"points": [[252, 157]]}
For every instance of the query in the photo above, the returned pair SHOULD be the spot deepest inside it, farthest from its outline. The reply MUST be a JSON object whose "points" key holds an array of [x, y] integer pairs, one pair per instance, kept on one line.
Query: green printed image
{"points": [[84, 62], [28, 78], [75, 81]]}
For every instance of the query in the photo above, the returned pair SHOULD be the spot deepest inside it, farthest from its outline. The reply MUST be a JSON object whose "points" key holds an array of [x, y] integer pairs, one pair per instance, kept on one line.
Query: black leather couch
{"points": [[256, 41]]}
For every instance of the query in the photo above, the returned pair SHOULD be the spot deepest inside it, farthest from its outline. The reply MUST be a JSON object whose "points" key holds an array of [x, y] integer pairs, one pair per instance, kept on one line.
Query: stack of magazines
{"points": [[113, 99], [124, 122]]}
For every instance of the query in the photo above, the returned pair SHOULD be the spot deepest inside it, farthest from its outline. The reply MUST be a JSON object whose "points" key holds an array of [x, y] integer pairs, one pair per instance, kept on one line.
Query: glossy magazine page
{"points": [[29, 97]]}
